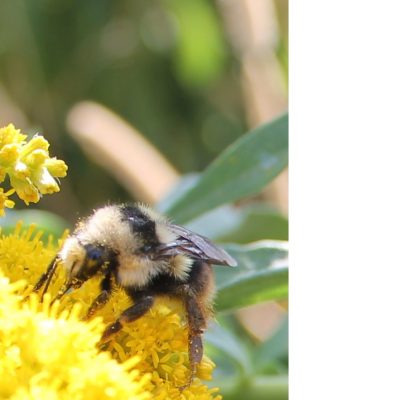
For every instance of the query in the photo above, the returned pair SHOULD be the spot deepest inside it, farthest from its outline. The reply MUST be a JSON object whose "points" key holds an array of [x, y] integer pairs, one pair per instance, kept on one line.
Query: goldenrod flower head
{"points": [[28, 165], [157, 342], [45, 354]]}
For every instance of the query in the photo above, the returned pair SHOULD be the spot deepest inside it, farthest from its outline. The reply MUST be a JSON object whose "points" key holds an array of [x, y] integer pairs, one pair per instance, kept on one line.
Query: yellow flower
{"points": [[157, 341], [9, 135], [28, 165], [57, 168], [25, 190], [45, 354], [5, 201], [8, 158]]}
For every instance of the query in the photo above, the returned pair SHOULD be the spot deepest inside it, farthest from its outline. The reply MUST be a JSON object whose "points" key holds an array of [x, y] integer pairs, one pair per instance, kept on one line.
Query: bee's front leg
{"points": [[98, 303], [102, 298], [142, 305]]}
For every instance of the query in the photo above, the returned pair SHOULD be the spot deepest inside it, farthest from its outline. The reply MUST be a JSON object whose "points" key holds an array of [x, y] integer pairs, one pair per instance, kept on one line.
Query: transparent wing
{"points": [[195, 246]]}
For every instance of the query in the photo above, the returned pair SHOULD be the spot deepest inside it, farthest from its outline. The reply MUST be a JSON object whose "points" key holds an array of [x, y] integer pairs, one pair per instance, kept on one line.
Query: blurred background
{"points": [[191, 76], [135, 95]]}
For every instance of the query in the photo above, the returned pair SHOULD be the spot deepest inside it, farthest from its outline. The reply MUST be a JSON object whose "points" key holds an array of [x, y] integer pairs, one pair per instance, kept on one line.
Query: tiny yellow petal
{"points": [[42, 179], [9, 203], [20, 171], [9, 134], [57, 168], [36, 143], [25, 190], [5, 202], [9, 155], [36, 158]]}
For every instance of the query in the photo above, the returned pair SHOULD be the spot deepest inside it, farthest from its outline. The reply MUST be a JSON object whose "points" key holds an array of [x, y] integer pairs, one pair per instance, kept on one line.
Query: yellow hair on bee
{"points": [[180, 266], [153, 215], [72, 254], [163, 233]]}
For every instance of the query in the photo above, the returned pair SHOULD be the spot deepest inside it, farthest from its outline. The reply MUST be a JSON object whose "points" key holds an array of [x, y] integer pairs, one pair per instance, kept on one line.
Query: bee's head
{"points": [[82, 261]]}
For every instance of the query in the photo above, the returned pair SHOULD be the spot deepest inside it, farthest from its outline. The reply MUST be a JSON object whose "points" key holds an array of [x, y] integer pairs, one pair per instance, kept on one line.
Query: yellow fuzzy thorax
{"points": [[49, 353]]}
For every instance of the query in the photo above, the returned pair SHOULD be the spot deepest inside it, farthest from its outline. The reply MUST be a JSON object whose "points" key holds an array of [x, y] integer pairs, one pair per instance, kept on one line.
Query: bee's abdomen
{"points": [[200, 281], [200, 277]]}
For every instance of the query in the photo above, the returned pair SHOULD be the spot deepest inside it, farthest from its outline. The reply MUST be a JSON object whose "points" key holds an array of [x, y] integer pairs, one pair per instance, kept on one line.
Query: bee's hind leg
{"points": [[196, 325]]}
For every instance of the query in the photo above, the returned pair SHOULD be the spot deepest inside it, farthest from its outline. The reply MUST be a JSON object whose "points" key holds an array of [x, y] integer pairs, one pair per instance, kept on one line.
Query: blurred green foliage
{"points": [[165, 66], [243, 169], [142, 59]]}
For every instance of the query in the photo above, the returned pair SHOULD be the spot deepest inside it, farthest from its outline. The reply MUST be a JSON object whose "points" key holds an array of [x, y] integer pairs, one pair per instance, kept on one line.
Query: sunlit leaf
{"points": [[243, 169], [262, 274], [244, 224], [231, 346], [275, 348]]}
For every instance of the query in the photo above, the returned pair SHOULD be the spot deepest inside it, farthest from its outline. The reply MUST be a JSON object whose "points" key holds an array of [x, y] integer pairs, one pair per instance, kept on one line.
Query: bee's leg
{"points": [[196, 325], [141, 306], [102, 298]]}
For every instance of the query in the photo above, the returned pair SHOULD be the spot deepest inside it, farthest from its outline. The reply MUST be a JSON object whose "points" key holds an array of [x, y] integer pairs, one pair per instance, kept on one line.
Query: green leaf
{"points": [[200, 51], [275, 348], [243, 169], [230, 346], [262, 275], [49, 223], [244, 224], [184, 185], [237, 373], [258, 387]]}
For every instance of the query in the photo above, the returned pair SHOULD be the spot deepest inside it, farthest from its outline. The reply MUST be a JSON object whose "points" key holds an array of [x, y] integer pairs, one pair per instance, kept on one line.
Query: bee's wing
{"points": [[195, 246]]}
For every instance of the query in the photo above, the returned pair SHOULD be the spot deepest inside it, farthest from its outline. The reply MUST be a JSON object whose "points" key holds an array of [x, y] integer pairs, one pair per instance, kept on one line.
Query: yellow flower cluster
{"points": [[158, 340], [29, 167], [49, 355]]}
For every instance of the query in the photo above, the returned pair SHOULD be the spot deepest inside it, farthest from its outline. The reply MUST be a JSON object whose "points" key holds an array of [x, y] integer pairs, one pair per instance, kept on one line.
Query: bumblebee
{"points": [[135, 248]]}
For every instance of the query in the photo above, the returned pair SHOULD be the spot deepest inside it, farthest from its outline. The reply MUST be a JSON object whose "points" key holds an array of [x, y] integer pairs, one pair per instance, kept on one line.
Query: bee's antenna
{"points": [[46, 278]]}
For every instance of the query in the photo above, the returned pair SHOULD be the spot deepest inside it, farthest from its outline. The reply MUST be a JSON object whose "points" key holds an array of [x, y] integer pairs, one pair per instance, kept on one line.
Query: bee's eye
{"points": [[95, 254]]}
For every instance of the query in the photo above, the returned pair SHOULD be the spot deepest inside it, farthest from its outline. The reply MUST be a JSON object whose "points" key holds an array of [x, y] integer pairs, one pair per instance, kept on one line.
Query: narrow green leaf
{"points": [[258, 387], [230, 346], [244, 224], [184, 185], [243, 169], [262, 275], [273, 349]]}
